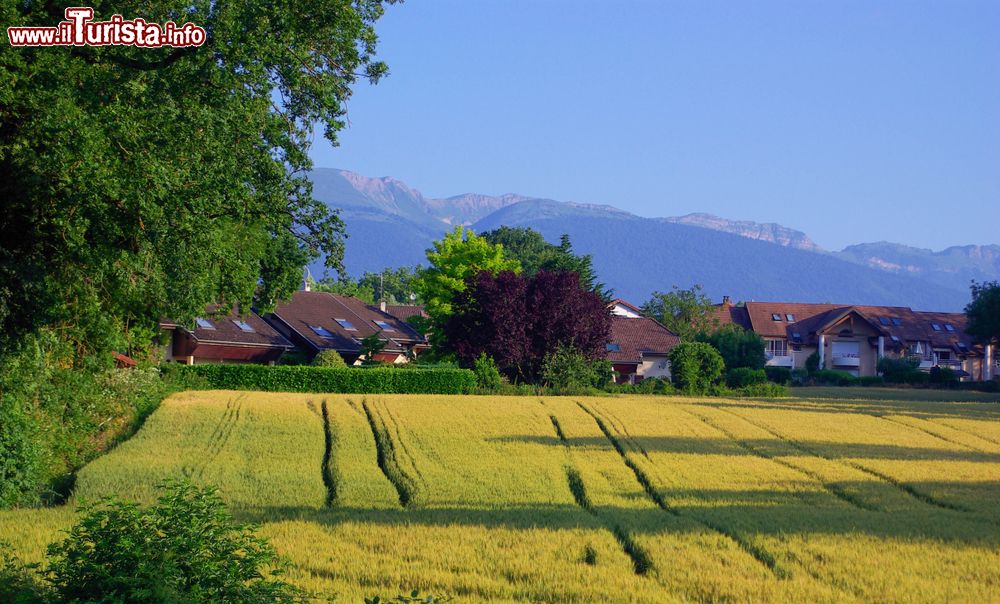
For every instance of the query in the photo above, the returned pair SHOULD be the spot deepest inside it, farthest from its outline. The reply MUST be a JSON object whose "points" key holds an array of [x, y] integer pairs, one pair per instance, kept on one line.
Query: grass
{"points": [[841, 496]]}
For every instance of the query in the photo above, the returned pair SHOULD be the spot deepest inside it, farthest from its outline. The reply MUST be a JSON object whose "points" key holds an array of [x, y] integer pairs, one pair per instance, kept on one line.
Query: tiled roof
{"points": [[321, 309], [224, 330], [903, 323], [635, 337], [405, 311], [725, 313]]}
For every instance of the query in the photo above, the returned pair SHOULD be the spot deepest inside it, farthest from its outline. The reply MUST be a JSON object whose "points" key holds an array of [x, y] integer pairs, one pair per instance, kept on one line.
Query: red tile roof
{"points": [[406, 311], [321, 309], [638, 337], [224, 330]]}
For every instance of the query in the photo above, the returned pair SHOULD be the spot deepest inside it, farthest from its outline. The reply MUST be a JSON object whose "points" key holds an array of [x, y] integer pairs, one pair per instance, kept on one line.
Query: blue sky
{"points": [[851, 121]]}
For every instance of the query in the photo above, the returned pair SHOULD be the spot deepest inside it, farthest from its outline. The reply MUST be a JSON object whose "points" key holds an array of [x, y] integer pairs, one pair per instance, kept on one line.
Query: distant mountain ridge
{"points": [[391, 224]]}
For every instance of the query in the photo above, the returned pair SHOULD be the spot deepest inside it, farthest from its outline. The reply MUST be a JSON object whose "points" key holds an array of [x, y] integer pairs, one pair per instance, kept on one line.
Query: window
{"points": [[321, 331], [346, 324], [790, 318], [204, 323], [612, 347], [895, 339], [243, 325], [944, 355], [385, 326], [777, 348], [775, 317], [949, 327], [897, 321], [935, 327], [797, 336], [883, 321]]}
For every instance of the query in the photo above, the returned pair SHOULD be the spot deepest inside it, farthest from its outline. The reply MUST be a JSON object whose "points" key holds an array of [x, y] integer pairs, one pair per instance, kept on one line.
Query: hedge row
{"points": [[377, 380]]}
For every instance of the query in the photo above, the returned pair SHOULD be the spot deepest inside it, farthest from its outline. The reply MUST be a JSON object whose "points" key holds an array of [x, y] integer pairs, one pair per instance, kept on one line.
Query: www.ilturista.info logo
{"points": [[79, 29]]}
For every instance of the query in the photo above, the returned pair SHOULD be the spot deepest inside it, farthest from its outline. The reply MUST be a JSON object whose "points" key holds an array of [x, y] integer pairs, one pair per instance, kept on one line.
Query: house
{"points": [[233, 338], [639, 345], [316, 321], [853, 338], [405, 312]]}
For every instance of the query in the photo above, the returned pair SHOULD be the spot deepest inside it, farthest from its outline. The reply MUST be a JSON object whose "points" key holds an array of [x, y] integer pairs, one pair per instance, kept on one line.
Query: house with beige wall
{"points": [[853, 338]]}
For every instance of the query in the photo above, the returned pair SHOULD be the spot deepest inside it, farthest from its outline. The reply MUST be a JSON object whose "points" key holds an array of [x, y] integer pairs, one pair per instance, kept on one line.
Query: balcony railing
{"points": [[775, 360], [846, 359]]}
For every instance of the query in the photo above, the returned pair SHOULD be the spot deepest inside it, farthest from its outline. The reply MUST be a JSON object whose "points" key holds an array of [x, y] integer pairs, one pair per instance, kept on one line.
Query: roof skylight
{"points": [[204, 323], [346, 324], [243, 325]]}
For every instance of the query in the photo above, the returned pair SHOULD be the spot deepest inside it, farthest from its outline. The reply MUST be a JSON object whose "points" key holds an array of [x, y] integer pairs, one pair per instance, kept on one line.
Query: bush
{"points": [[831, 377], [744, 376], [488, 378], [943, 376], [871, 380], [763, 389], [901, 370], [567, 370], [695, 367], [20, 583], [186, 548], [812, 362], [328, 358], [739, 347], [779, 375], [987, 386], [799, 376], [373, 380]]}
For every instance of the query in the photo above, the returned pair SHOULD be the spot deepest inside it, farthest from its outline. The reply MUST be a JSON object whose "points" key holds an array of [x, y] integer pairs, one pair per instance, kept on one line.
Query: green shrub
{"points": [[695, 367], [488, 378], [901, 370], [763, 389], [779, 375], [739, 347], [832, 377], [328, 358], [943, 376], [871, 380], [415, 597], [745, 376], [373, 380], [22, 456], [186, 548], [20, 583], [812, 362], [987, 386], [567, 370], [799, 377]]}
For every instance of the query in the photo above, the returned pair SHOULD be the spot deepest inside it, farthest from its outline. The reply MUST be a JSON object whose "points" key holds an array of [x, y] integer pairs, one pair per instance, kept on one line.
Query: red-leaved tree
{"points": [[518, 320]]}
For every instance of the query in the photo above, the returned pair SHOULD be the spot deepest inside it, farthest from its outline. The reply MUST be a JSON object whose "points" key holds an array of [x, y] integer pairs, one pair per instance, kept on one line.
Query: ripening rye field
{"points": [[587, 499]]}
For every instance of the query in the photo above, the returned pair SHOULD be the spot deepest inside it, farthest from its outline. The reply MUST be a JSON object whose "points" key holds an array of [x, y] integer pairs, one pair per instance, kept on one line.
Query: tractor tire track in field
{"points": [[218, 439], [830, 487], [931, 433], [966, 432], [402, 443], [641, 561], [618, 425], [906, 488], [387, 460], [329, 465], [755, 551]]}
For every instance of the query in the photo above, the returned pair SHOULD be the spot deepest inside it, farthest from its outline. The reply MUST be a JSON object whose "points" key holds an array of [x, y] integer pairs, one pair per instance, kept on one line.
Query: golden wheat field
{"points": [[585, 499]]}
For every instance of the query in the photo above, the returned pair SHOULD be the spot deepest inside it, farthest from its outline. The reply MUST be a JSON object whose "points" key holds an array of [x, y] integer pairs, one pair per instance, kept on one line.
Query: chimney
{"points": [[381, 305], [307, 280], [726, 301]]}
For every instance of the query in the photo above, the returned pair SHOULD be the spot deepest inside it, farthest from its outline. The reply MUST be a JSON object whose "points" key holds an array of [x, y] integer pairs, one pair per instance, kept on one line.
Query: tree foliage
{"points": [[186, 548], [141, 183], [984, 311], [535, 254], [460, 254], [518, 320], [395, 286], [686, 312], [328, 358], [739, 347], [695, 367]]}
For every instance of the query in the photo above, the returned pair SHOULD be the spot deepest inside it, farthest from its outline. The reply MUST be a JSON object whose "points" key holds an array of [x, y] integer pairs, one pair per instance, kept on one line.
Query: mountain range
{"points": [[391, 224]]}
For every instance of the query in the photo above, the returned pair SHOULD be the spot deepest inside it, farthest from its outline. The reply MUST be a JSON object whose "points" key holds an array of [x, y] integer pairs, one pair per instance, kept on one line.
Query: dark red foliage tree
{"points": [[518, 320]]}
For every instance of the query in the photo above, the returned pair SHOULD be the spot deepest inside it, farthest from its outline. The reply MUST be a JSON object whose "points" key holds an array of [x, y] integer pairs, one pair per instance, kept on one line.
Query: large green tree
{"points": [[535, 254], [686, 312], [459, 255], [139, 183], [984, 311]]}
